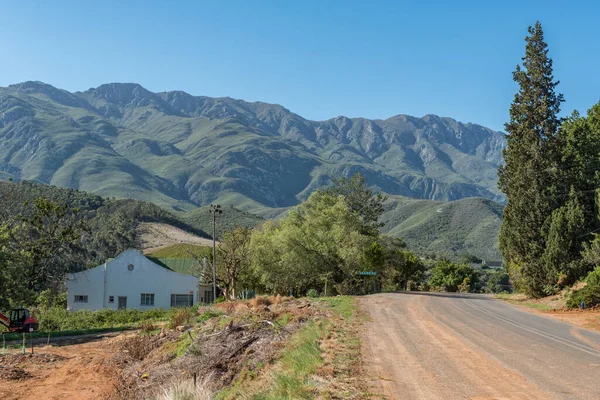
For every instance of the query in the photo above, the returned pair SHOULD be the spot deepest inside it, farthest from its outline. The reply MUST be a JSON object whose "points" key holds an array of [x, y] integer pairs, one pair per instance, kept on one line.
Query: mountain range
{"points": [[183, 151]]}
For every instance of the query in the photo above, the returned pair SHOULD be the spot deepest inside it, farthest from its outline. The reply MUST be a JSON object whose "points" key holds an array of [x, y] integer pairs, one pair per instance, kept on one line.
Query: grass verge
{"points": [[521, 301], [321, 360]]}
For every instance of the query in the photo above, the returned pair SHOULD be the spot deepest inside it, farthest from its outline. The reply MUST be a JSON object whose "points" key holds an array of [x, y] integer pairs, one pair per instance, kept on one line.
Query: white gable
{"points": [[134, 279]]}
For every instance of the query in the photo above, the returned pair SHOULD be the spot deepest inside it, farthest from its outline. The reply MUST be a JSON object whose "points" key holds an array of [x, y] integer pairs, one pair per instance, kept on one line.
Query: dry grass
{"points": [[185, 390], [138, 347], [181, 317]]}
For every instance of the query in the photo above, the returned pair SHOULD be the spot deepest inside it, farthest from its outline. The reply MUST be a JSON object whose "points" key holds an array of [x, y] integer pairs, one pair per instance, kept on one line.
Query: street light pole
{"points": [[214, 210]]}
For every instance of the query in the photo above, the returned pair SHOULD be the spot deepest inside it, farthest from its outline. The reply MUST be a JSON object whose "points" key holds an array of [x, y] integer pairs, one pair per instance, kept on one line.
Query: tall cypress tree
{"points": [[527, 175]]}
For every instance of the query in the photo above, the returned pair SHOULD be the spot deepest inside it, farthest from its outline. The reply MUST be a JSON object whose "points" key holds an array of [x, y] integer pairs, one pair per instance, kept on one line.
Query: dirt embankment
{"points": [[233, 346], [154, 236], [218, 344], [555, 307]]}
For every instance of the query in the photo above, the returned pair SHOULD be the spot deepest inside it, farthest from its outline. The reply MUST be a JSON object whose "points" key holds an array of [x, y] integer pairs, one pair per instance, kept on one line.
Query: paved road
{"points": [[451, 346]]}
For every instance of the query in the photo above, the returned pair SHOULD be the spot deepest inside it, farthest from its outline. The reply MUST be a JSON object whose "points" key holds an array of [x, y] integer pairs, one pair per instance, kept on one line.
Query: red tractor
{"points": [[20, 321]]}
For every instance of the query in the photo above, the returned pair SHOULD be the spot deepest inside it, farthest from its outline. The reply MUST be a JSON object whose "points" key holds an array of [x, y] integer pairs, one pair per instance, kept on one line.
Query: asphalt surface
{"points": [[452, 346]]}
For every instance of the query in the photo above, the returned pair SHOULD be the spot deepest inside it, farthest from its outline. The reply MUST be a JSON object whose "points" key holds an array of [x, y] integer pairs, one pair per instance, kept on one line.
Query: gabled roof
{"points": [[187, 266]]}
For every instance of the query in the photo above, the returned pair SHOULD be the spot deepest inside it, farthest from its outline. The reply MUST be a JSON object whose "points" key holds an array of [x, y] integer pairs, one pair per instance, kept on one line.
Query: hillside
{"points": [[183, 151], [111, 225], [231, 218], [470, 225]]}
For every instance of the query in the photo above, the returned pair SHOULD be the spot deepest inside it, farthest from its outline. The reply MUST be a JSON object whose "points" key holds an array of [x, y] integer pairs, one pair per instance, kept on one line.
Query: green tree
{"points": [[447, 276], [560, 262], [401, 268], [320, 237], [496, 281], [234, 259], [44, 247], [530, 164], [361, 200]]}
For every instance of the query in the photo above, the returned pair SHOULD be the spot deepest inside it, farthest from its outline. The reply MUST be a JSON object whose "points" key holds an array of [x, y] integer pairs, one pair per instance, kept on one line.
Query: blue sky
{"points": [[320, 59]]}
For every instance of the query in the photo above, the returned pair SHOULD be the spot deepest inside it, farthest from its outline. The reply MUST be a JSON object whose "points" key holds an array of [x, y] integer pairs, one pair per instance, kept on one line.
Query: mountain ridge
{"points": [[184, 151]]}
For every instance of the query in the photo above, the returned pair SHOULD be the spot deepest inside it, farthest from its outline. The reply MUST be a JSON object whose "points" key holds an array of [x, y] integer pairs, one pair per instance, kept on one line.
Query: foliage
{"points": [[401, 269], [46, 300], [361, 200], [495, 281], [445, 229], [321, 236], [530, 166], [180, 317], [47, 231], [45, 244], [448, 277], [589, 294], [234, 259], [326, 242], [312, 293], [561, 258], [60, 319]]}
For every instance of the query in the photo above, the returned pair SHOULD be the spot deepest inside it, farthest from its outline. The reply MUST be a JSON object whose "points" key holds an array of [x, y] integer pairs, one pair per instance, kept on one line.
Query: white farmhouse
{"points": [[133, 281]]}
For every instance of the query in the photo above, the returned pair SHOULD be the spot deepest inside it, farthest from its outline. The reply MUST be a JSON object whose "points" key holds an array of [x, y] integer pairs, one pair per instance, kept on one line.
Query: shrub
{"points": [[60, 319], [182, 316], [147, 327], [45, 300], [589, 294], [447, 276], [208, 314], [312, 293], [138, 347]]}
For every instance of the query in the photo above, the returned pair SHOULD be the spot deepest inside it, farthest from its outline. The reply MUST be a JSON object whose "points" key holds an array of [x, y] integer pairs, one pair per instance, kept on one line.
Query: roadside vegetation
{"points": [[549, 237]]}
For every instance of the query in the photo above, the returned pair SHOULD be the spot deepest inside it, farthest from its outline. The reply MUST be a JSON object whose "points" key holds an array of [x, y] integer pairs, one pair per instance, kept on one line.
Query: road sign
{"points": [[367, 273]]}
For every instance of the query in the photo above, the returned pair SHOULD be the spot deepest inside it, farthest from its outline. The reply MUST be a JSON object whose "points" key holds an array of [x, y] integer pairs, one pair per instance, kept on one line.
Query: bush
{"points": [[60, 319], [182, 316], [449, 277], [590, 294], [312, 293], [44, 299]]}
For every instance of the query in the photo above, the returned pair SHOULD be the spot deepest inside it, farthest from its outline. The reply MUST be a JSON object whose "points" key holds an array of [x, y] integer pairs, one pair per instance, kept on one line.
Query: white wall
{"points": [[146, 277], [90, 283]]}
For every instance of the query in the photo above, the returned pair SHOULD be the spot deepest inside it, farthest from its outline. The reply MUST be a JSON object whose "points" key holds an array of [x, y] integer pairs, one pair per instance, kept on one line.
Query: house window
{"points": [[147, 299], [111, 299], [182, 300], [80, 299]]}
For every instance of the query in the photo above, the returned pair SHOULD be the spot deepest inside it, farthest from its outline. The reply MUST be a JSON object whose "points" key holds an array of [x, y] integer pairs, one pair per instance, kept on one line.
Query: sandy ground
{"points": [[589, 319], [154, 236], [86, 373], [440, 346]]}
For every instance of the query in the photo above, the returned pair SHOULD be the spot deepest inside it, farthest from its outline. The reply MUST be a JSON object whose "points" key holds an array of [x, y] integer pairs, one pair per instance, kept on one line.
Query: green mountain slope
{"points": [[183, 151], [231, 218], [470, 225]]}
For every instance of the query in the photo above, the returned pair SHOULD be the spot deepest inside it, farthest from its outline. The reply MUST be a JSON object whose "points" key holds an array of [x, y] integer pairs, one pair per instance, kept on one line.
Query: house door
{"points": [[122, 302]]}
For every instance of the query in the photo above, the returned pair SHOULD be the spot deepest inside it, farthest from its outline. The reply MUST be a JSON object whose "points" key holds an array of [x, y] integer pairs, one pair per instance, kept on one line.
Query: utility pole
{"points": [[214, 210]]}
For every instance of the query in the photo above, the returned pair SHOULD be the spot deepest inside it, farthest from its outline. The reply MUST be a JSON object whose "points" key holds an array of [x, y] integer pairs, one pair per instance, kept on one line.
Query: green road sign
{"points": [[367, 273]]}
